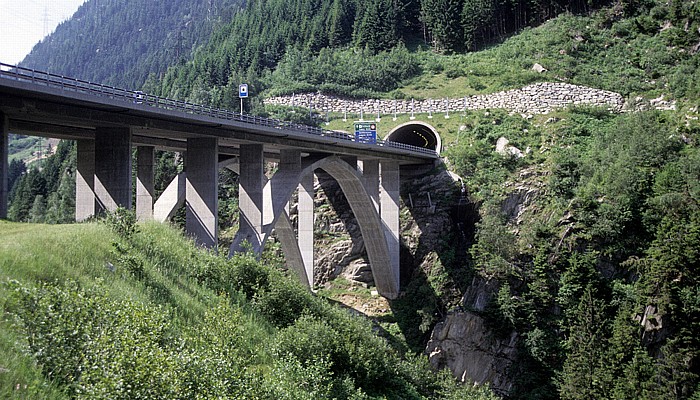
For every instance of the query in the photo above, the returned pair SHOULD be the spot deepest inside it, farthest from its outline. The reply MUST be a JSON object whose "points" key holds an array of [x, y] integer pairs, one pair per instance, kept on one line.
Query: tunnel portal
{"points": [[416, 133]]}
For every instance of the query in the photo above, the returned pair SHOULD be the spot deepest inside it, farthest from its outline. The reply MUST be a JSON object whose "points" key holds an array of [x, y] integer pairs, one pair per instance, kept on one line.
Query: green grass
{"points": [[38, 252], [32, 253], [84, 253], [147, 308]]}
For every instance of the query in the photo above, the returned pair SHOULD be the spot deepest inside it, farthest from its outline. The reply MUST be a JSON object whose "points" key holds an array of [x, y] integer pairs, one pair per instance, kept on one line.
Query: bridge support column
{"points": [[286, 178], [370, 175], [352, 160], [173, 197], [113, 168], [85, 180], [201, 192], [389, 212], [4, 166], [305, 225], [250, 198], [145, 177]]}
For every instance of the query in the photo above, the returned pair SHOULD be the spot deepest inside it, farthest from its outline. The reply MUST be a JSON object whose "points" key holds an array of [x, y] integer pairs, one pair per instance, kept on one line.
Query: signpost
{"points": [[242, 93], [366, 132]]}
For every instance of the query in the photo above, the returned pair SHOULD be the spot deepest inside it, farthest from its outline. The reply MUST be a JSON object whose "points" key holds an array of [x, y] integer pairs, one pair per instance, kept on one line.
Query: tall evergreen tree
{"points": [[37, 214], [339, 24], [16, 169], [477, 18], [28, 188], [443, 19]]}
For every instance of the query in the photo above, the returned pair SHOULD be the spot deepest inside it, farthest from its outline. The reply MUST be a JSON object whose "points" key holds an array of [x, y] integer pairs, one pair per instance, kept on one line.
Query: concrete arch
{"points": [[279, 190], [416, 133]]}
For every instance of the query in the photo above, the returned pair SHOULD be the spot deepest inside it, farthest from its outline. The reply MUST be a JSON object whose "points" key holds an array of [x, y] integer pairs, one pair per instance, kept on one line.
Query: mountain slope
{"points": [[585, 247], [122, 42]]}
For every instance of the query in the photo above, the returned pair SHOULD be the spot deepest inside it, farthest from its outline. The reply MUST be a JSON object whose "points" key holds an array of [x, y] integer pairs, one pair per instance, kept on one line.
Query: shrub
{"points": [[95, 347], [122, 221], [284, 301], [248, 275]]}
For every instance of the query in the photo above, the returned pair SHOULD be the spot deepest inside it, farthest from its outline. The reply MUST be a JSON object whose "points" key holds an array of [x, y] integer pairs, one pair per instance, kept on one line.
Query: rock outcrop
{"points": [[433, 208], [464, 344]]}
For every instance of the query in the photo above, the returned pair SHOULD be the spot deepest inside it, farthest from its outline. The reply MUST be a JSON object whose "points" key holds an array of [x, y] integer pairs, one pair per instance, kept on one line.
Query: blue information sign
{"points": [[366, 132], [243, 90]]}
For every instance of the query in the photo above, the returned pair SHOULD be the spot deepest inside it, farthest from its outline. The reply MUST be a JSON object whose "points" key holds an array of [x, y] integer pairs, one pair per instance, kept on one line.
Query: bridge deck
{"points": [[43, 104]]}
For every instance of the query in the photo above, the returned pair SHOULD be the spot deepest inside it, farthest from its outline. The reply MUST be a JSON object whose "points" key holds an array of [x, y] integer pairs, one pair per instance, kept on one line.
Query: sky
{"points": [[23, 23]]}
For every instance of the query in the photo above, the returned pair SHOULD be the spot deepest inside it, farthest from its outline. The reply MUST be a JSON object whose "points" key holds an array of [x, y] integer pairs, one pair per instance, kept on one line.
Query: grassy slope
{"points": [[31, 253], [574, 49], [86, 253], [587, 50], [272, 339]]}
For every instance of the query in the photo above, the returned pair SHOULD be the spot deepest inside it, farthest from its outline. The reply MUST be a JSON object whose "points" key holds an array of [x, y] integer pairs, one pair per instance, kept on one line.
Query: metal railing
{"points": [[68, 84]]}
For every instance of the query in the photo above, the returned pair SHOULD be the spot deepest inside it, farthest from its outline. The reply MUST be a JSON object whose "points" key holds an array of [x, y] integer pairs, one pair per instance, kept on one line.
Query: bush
{"points": [[122, 221], [96, 347], [284, 301]]}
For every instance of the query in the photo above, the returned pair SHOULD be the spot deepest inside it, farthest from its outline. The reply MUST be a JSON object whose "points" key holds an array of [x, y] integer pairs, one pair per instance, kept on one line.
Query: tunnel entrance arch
{"points": [[416, 133]]}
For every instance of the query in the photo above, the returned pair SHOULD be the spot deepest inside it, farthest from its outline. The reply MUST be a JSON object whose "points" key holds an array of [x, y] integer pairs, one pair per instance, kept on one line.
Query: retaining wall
{"points": [[537, 98]]}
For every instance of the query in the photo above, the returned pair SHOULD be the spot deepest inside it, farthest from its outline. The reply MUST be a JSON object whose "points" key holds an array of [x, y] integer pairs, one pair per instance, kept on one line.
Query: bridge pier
{"points": [[4, 166], [370, 176], [201, 192], [305, 225], [250, 197], [112, 168], [173, 197], [145, 180], [389, 213], [85, 180]]}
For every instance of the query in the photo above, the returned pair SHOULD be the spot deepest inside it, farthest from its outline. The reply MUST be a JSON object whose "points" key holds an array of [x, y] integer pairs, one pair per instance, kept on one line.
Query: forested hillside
{"points": [[123, 42], [376, 48], [269, 33]]}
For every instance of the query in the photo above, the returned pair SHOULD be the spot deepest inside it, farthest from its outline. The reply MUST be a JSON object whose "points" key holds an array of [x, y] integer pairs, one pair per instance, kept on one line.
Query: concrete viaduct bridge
{"points": [[107, 122]]}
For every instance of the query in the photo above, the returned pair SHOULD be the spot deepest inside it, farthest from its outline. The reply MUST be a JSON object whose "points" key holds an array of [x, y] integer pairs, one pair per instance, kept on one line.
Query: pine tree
{"points": [[38, 211], [585, 348], [61, 203], [28, 188], [339, 25], [477, 17], [443, 20], [16, 169]]}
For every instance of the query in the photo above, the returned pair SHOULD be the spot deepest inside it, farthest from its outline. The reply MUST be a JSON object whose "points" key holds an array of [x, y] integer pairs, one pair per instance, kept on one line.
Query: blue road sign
{"points": [[366, 132], [243, 90]]}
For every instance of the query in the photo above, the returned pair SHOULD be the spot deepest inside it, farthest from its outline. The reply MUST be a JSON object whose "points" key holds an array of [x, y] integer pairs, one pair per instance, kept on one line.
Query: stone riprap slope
{"points": [[538, 98]]}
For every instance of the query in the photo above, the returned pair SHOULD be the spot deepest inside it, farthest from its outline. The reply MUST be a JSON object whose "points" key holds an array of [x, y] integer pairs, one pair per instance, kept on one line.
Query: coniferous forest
{"points": [[596, 274]]}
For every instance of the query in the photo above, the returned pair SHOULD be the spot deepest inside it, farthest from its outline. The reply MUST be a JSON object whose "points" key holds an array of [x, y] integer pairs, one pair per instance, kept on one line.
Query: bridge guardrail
{"points": [[137, 97]]}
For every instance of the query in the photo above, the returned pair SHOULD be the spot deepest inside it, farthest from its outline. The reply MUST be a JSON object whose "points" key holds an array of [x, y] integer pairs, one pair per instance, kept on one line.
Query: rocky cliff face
{"points": [[437, 224], [464, 344], [427, 217]]}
